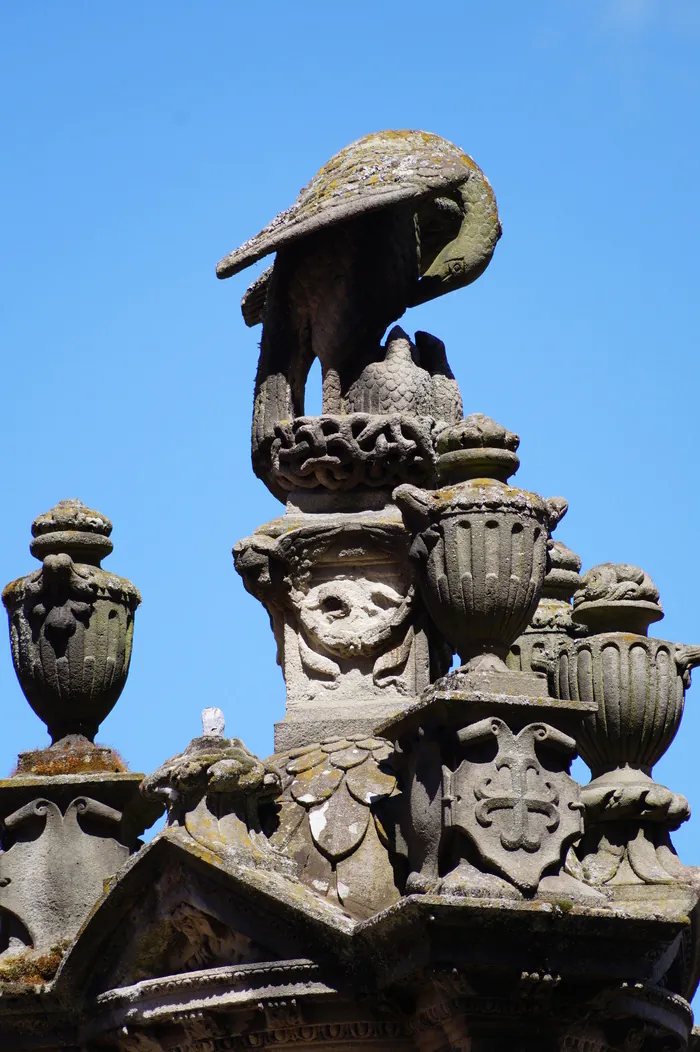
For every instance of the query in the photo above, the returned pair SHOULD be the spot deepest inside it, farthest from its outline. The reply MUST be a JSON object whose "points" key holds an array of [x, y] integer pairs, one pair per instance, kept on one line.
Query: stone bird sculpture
{"points": [[393, 220]]}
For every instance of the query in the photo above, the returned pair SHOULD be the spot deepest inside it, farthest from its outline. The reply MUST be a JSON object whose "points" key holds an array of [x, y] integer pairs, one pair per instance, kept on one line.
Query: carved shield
{"points": [[520, 816]]}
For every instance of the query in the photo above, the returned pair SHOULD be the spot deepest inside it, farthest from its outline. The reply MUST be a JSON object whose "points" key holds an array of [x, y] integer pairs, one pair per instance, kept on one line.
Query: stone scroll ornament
{"points": [[637, 684], [394, 219]]}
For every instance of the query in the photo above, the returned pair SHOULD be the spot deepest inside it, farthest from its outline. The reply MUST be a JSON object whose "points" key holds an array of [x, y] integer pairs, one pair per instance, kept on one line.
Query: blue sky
{"points": [[142, 142]]}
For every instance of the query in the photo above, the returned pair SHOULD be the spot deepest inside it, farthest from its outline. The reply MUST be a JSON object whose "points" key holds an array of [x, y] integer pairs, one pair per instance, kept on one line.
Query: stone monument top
{"points": [[414, 868]]}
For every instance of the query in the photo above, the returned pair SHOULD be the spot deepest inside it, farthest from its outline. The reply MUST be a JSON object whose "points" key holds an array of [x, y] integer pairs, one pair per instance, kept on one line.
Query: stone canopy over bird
{"points": [[392, 220]]}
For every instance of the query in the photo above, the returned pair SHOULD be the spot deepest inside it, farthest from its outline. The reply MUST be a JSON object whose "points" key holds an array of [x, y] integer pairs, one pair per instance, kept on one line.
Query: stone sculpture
{"points": [[71, 814], [71, 622], [638, 685], [392, 220], [215, 789], [414, 868]]}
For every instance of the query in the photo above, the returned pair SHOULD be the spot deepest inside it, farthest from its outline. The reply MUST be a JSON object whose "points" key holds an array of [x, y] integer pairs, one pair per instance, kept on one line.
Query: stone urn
{"points": [[552, 626], [638, 685], [637, 682], [480, 546], [71, 622]]}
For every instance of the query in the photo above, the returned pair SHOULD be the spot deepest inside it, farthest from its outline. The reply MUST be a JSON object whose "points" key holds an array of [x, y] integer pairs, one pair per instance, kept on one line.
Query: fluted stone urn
{"points": [[71, 622], [638, 685], [480, 546], [638, 682], [552, 626]]}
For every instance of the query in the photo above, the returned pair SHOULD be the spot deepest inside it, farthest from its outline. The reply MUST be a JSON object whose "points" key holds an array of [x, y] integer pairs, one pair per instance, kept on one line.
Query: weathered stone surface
{"points": [[638, 687], [552, 626], [520, 816], [62, 837], [330, 820], [617, 597], [394, 219], [488, 807], [480, 546], [455, 890], [477, 447], [71, 623], [352, 637], [346, 452], [215, 789]]}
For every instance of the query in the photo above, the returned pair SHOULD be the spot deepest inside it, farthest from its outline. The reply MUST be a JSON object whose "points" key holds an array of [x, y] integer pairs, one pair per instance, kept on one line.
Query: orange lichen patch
{"points": [[76, 757], [31, 967]]}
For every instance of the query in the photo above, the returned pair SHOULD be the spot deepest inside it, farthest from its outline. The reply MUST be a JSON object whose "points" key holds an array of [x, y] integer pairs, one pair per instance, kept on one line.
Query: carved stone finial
{"points": [[479, 546], [73, 529], [637, 685], [617, 597], [552, 624], [477, 447], [71, 622], [71, 814], [563, 578]]}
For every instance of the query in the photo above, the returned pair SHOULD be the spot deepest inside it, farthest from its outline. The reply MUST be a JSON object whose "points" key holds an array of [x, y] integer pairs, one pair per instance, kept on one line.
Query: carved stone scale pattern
{"points": [[414, 868]]}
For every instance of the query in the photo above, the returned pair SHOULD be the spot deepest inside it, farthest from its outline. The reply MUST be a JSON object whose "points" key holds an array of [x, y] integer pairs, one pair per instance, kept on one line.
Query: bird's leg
{"points": [[285, 359]]}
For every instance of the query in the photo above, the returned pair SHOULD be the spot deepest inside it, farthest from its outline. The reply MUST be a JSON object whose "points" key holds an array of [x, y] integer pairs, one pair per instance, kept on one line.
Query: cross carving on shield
{"points": [[520, 816]]}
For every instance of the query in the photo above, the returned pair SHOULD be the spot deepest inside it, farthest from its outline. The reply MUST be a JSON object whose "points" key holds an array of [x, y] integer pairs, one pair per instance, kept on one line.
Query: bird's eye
{"points": [[456, 266]]}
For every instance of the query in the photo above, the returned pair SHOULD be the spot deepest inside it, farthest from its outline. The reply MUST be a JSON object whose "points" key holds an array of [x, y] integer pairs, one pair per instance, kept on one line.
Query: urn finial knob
{"points": [[477, 447], [72, 528]]}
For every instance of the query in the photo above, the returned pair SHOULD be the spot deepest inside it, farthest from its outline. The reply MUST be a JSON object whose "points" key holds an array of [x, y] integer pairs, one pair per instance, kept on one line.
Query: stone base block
{"points": [[303, 728]]}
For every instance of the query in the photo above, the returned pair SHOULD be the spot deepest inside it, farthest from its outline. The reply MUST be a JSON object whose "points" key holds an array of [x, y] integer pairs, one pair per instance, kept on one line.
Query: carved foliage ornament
{"points": [[330, 820]]}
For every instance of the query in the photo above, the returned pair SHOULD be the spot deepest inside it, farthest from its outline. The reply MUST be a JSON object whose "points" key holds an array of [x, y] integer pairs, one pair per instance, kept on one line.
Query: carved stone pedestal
{"points": [[63, 837], [352, 637], [488, 806]]}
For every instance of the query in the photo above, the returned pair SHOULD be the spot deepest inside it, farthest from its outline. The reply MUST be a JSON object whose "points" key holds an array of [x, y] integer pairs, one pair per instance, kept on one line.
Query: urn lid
{"points": [[563, 578], [477, 447], [617, 597], [74, 529]]}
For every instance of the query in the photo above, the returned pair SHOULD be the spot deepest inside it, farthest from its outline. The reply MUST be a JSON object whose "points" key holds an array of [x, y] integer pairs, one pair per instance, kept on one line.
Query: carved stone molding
{"points": [[357, 450]]}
